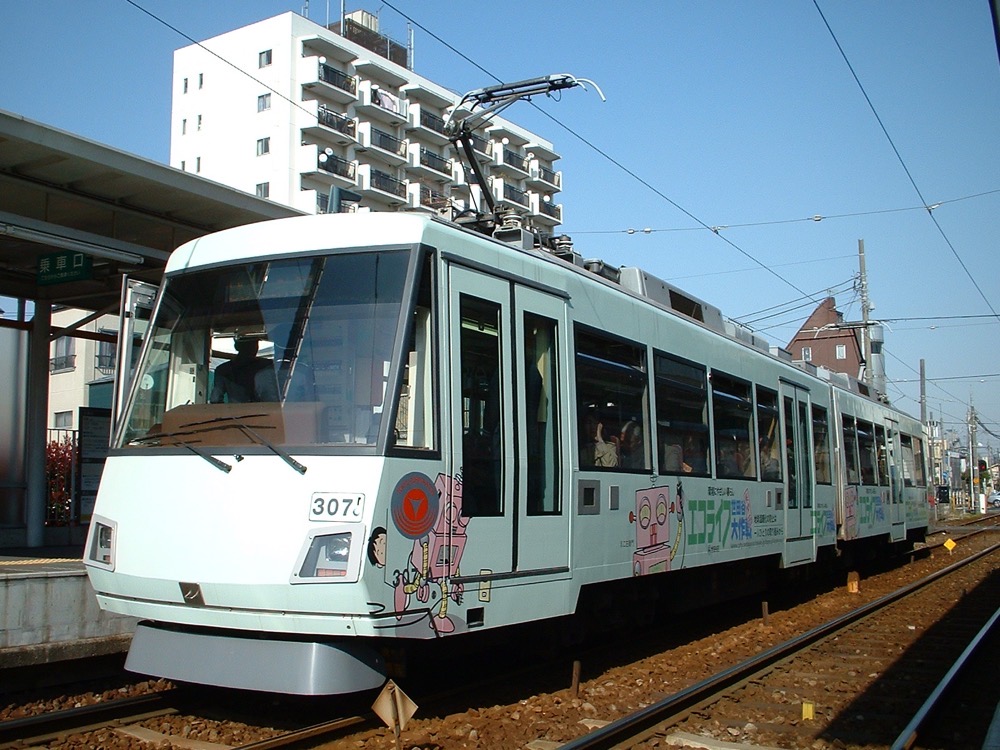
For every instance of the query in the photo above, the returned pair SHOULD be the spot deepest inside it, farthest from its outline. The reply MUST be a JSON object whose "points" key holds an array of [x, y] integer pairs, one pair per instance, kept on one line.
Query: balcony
{"points": [[381, 145], [428, 198], [510, 163], [428, 164], [434, 97], [381, 105], [330, 126], [427, 125], [544, 178], [509, 194], [324, 80], [326, 167], [381, 186], [544, 212]]}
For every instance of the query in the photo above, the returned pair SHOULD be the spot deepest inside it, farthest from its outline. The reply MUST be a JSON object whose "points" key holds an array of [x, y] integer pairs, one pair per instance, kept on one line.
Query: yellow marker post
{"points": [[949, 545], [808, 710]]}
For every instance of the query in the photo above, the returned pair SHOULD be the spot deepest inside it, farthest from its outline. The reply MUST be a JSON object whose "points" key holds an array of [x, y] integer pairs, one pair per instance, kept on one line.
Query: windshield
{"points": [[292, 351]]}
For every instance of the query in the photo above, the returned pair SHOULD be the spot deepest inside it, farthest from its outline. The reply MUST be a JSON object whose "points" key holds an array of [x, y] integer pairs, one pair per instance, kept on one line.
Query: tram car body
{"points": [[442, 432]]}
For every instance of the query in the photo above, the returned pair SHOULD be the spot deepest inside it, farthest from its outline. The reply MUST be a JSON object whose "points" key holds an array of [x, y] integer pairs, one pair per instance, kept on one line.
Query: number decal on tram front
{"points": [[336, 506]]}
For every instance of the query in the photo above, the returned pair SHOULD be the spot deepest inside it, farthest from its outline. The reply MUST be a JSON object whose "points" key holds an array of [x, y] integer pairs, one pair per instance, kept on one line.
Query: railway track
{"points": [[859, 680]]}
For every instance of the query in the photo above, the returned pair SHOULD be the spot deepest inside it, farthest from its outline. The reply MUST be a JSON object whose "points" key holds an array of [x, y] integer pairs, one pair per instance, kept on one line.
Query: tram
{"points": [[349, 430]]}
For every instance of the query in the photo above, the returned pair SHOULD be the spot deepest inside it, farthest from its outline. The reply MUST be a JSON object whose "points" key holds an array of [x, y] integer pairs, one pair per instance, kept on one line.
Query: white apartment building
{"points": [[81, 367], [288, 109]]}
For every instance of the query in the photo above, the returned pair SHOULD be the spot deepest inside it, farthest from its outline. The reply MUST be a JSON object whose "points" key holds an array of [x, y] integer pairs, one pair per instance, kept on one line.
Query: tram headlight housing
{"points": [[101, 549], [329, 556]]}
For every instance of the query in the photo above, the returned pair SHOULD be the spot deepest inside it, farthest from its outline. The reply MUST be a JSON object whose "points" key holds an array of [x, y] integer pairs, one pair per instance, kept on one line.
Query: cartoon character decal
{"points": [[430, 515], [652, 518]]}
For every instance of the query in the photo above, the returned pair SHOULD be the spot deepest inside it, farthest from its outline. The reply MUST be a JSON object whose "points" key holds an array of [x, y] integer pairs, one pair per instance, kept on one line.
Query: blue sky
{"points": [[743, 115]]}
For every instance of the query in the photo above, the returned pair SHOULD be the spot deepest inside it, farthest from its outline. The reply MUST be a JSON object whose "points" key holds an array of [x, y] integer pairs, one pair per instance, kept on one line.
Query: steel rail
{"points": [[615, 733], [908, 736], [46, 727]]}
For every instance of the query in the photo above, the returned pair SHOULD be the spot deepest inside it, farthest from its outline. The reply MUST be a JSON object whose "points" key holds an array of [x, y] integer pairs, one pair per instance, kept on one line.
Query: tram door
{"points": [[481, 383], [799, 542], [894, 461], [542, 523]]}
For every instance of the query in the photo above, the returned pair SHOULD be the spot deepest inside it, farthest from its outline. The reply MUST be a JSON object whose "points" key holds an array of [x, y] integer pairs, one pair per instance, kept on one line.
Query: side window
{"points": [[909, 465], [919, 468], [851, 450], [732, 413], [866, 452], [681, 416], [769, 433], [611, 409], [881, 456], [541, 415], [414, 426], [821, 445]]}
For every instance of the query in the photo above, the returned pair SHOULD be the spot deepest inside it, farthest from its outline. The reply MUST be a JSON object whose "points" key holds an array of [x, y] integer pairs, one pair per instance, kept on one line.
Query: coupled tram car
{"points": [[351, 429]]}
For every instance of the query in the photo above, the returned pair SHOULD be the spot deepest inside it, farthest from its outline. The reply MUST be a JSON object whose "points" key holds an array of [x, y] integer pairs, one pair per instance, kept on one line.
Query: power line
{"points": [[902, 163], [815, 219], [605, 155]]}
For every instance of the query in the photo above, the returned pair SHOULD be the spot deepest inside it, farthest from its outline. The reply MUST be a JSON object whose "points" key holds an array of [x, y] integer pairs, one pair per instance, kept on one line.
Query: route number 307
{"points": [[340, 506]]}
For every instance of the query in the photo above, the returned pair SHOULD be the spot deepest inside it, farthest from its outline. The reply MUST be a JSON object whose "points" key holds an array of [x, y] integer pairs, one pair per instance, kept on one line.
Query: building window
{"points": [[63, 354], [107, 353], [264, 58], [199, 122], [201, 80], [185, 85], [183, 166], [807, 353], [197, 164], [263, 189], [263, 146], [263, 102], [63, 420], [841, 351], [184, 126]]}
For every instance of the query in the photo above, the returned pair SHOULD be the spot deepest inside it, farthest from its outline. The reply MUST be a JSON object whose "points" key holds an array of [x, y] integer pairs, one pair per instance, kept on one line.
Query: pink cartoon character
{"points": [[436, 556], [652, 531]]}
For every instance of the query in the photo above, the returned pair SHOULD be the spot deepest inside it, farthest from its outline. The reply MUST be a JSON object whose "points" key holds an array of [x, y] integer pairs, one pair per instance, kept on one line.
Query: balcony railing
{"points": [[479, 143], [105, 362], [432, 198], [432, 161], [549, 175], [337, 121], [549, 209], [515, 195], [387, 142], [336, 165], [387, 183], [431, 121], [515, 159], [338, 79], [64, 362]]}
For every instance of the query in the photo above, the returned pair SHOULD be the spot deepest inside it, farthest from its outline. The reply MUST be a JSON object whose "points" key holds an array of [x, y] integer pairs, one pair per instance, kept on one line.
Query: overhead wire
{"points": [[902, 162], [604, 154]]}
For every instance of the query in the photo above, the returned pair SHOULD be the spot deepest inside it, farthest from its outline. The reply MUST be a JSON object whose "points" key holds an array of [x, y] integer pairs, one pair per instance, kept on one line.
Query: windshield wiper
{"points": [[217, 463], [220, 422]]}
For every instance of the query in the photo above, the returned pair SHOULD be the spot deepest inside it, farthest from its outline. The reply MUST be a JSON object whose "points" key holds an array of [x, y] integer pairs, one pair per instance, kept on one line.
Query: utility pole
{"points": [[972, 454], [923, 393], [865, 310]]}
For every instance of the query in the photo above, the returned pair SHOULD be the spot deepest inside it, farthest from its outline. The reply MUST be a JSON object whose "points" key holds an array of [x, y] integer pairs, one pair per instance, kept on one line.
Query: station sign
{"points": [[61, 267]]}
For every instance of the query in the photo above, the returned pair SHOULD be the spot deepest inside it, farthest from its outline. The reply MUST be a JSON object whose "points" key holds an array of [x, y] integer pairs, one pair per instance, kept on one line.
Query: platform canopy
{"points": [[75, 215]]}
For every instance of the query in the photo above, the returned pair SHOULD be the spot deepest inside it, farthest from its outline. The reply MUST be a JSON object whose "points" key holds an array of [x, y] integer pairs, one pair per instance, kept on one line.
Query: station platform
{"points": [[48, 611]]}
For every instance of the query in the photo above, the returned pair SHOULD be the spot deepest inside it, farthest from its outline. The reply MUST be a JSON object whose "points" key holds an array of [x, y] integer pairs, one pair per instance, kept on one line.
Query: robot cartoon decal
{"points": [[655, 511], [430, 515]]}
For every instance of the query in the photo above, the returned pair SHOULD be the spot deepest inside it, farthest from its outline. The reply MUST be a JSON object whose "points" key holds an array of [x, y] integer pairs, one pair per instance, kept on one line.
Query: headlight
{"points": [[328, 556], [101, 550]]}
